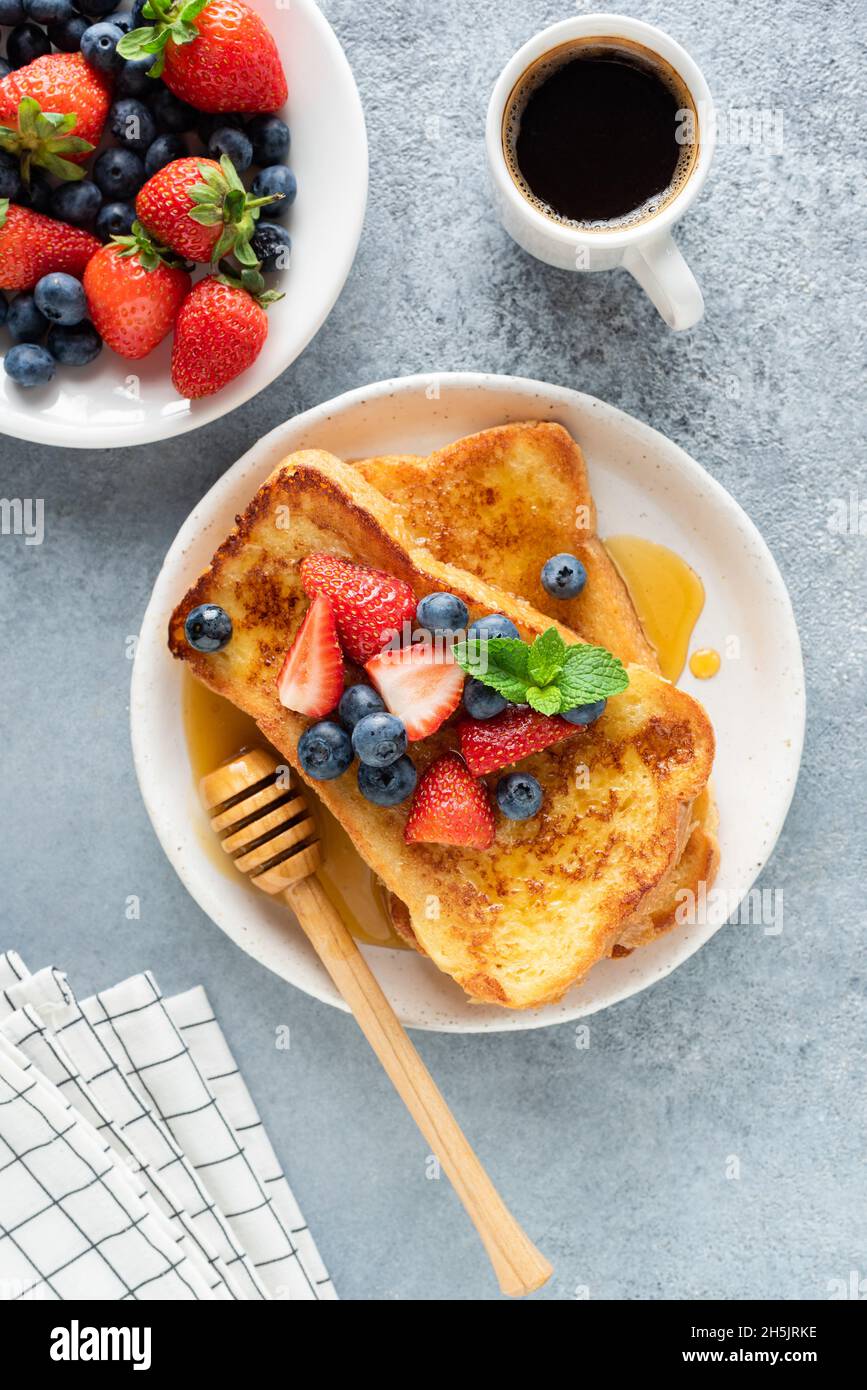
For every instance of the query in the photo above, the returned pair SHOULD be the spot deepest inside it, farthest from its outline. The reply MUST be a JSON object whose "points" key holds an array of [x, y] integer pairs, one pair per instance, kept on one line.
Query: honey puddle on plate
{"points": [[216, 731], [668, 598]]}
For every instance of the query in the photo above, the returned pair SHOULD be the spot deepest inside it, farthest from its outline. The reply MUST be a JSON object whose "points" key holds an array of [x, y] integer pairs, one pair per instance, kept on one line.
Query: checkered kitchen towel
{"points": [[180, 1196]]}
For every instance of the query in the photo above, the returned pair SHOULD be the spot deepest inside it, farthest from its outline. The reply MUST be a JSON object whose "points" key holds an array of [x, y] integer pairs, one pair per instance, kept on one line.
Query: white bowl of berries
{"points": [[181, 200]]}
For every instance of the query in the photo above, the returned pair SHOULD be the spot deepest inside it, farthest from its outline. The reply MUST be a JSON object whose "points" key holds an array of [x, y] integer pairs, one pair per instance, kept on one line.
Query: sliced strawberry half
{"points": [[311, 677], [487, 744], [369, 605], [449, 807], [421, 684]]}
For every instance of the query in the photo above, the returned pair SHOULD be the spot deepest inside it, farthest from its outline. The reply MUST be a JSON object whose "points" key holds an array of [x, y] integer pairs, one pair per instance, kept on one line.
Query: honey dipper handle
{"points": [[518, 1265]]}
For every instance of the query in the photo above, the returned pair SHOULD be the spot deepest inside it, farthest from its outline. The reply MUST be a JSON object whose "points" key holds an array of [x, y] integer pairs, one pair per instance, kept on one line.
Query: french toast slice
{"points": [[518, 923], [499, 503]]}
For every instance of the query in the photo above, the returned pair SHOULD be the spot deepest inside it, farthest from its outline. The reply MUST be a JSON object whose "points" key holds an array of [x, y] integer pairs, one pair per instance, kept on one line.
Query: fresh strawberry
{"points": [[44, 140], [370, 605], [450, 807], [420, 684], [64, 84], [133, 294], [220, 332], [216, 54], [200, 209], [32, 245], [487, 744], [311, 677]]}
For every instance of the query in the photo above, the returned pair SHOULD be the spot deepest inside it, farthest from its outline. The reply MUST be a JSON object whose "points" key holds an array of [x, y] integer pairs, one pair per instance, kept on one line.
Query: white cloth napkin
{"points": [[184, 1194]]}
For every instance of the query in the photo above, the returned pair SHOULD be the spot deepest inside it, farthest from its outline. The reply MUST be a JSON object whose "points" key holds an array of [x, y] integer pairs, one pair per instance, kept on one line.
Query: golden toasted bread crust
{"points": [[519, 923], [495, 502], [499, 503]]}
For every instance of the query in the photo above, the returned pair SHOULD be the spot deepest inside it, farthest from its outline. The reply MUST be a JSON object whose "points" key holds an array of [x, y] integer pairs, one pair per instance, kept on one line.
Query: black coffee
{"points": [[594, 136]]}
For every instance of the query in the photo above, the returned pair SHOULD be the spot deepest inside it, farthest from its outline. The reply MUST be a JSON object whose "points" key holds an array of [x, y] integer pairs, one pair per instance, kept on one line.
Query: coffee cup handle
{"points": [[667, 280]]}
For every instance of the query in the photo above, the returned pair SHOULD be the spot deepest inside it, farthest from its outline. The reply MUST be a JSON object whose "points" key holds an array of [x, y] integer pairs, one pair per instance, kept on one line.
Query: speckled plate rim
{"points": [[644, 484]]}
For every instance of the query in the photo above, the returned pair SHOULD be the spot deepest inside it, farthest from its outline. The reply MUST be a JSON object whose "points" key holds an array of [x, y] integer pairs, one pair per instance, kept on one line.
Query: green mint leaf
{"points": [[590, 674], [548, 701], [499, 662], [546, 657]]}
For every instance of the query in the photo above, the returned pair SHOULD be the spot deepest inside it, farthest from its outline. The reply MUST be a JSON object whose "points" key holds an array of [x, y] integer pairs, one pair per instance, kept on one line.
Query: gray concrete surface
{"points": [[614, 1157]]}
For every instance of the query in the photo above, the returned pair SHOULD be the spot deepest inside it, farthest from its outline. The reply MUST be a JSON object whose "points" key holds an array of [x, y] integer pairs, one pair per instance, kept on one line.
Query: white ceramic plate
{"points": [[116, 402], [644, 485]]}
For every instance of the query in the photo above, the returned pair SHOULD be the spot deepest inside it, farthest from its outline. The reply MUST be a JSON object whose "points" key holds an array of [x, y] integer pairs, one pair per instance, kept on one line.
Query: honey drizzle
{"points": [[668, 596]]}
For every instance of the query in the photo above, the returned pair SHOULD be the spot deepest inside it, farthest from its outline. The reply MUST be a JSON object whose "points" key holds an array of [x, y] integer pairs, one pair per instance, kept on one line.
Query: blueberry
{"points": [[74, 347], [480, 701], [100, 8], [38, 194], [324, 750], [585, 714], [26, 43], [24, 321], [493, 625], [207, 123], [275, 179], [170, 113], [270, 137], [99, 46], [49, 11], [163, 150], [208, 628], [77, 203], [119, 173], [133, 80], [60, 298], [4, 309], [234, 143], [12, 12], [29, 365], [387, 786], [563, 576], [10, 178], [379, 739], [115, 219], [139, 21], [519, 795], [442, 613], [124, 24], [272, 245], [67, 36], [357, 701], [132, 124]]}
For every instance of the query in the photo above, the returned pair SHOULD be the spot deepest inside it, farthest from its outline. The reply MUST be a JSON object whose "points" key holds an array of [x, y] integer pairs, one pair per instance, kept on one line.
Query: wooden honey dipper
{"points": [[264, 823]]}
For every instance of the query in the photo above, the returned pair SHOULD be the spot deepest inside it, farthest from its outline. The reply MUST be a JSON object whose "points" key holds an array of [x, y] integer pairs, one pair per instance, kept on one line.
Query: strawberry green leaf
{"points": [[4, 209], [206, 215], [546, 657], [139, 43], [62, 168]]}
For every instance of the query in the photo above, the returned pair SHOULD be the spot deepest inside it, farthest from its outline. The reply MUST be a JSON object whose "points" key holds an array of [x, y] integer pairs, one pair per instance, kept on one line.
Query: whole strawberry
{"points": [[32, 245], [450, 807], [60, 84], [220, 332], [133, 293], [369, 605], [218, 55], [200, 209]]}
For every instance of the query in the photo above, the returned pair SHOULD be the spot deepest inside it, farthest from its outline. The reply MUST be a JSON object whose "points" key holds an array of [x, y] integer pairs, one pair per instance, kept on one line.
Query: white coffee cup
{"points": [[646, 248]]}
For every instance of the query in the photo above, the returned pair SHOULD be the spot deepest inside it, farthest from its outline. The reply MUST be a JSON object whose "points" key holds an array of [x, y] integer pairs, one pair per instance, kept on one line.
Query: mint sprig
{"points": [[547, 675]]}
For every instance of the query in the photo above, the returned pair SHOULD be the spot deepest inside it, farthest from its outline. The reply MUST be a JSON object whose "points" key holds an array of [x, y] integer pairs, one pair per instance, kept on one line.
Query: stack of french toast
{"points": [[519, 908]]}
